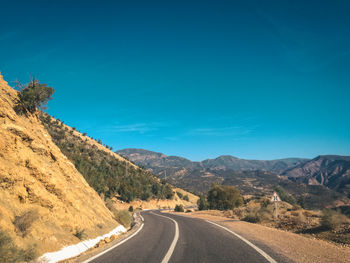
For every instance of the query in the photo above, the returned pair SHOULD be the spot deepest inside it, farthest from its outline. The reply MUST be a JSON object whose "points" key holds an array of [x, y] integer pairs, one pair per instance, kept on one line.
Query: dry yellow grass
{"points": [[36, 176], [156, 203]]}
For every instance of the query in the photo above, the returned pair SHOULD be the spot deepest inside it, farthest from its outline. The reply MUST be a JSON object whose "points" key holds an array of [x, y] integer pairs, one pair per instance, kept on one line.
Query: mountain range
{"points": [[326, 175]]}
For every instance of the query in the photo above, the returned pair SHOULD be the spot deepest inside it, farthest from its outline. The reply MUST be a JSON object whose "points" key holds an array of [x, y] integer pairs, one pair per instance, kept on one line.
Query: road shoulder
{"points": [[138, 222], [293, 247]]}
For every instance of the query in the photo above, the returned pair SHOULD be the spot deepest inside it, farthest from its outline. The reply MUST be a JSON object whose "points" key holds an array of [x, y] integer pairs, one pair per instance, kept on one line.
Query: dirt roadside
{"points": [[97, 250], [294, 247]]}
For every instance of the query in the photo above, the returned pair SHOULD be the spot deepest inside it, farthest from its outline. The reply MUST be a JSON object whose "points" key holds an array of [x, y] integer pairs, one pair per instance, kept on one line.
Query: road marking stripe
{"points": [[173, 244], [266, 256], [116, 245]]}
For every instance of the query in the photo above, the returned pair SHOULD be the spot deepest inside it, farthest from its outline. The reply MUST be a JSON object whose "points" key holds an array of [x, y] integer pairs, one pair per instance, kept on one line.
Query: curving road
{"points": [[172, 238]]}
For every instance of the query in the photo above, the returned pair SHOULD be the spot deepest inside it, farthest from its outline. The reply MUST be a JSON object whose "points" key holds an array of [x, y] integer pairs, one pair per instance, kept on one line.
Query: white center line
{"points": [[173, 244]]}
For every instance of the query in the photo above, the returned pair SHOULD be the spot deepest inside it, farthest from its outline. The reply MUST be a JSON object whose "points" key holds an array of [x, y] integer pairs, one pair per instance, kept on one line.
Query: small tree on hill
{"points": [[34, 95], [202, 203]]}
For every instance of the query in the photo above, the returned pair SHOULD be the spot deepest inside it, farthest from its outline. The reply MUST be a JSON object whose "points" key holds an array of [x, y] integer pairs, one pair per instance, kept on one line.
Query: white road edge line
{"points": [[173, 244], [260, 251], [116, 245]]}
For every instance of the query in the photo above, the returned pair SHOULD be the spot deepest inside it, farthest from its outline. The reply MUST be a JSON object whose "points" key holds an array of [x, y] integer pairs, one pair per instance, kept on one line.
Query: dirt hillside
{"points": [[43, 198]]}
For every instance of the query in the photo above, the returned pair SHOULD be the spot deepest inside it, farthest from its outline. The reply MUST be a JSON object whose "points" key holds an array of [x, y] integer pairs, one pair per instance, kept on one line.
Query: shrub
{"points": [[252, 218], [179, 195], [264, 203], [123, 217], [202, 203], [9, 252], [330, 219], [224, 197], [299, 219], [186, 198], [179, 208], [80, 233], [33, 96], [25, 221], [131, 208]]}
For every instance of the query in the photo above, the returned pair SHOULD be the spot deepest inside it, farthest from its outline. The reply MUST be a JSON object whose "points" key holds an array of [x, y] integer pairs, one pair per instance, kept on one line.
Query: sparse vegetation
{"points": [[186, 198], [105, 173], [284, 195], [25, 221], [179, 208], [32, 96], [10, 253], [179, 194], [80, 233], [331, 219], [124, 217]]}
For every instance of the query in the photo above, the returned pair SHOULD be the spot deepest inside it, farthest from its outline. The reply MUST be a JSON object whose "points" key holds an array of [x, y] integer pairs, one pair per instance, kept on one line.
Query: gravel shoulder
{"points": [[294, 247]]}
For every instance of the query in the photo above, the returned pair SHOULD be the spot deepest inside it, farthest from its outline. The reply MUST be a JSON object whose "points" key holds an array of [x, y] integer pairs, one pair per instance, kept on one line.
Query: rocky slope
{"points": [[43, 198], [332, 171], [107, 172]]}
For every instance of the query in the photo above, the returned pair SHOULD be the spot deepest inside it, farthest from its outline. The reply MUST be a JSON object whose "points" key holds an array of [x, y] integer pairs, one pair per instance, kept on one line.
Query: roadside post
{"points": [[275, 198]]}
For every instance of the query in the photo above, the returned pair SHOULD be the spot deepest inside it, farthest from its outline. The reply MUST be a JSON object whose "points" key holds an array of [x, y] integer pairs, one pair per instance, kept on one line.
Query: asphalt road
{"points": [[195, 241]]}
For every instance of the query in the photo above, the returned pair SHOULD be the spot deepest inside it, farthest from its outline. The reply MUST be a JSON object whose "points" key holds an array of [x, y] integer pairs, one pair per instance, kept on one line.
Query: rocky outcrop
{"points": [[332, 171]]}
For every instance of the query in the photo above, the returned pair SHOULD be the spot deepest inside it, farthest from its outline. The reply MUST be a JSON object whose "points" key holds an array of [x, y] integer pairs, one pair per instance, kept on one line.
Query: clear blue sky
{"points": [[254, 79]]}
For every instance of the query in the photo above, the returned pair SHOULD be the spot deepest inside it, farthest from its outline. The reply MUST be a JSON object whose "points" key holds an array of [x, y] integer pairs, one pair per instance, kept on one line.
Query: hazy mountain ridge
{"points": [[228, 162], [251, 176], [155, 161]]}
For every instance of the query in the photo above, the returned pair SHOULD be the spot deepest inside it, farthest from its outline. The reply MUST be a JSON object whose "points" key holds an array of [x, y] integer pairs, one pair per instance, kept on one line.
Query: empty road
{"points": [[173, 238]]}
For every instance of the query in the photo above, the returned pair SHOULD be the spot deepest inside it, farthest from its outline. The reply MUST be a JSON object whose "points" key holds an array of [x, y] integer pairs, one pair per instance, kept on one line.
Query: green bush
{"points": [[25, 221], [179, 208], [186, 198], [123, 217], [224, 197], [131, 209], [330, 219], [202, 203], [80, 233], [33, 96], [10, 253]]}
